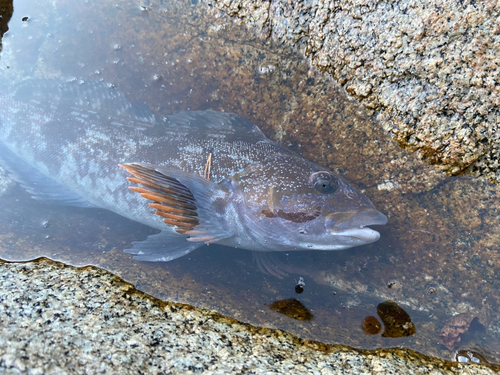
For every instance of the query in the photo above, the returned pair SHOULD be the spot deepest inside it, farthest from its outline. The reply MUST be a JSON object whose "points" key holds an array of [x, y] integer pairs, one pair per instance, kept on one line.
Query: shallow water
{"points": [[438, 255]]}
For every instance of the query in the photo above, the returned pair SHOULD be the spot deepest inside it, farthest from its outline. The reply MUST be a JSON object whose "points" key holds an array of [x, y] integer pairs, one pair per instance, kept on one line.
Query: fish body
{"points": [[199, 177]]}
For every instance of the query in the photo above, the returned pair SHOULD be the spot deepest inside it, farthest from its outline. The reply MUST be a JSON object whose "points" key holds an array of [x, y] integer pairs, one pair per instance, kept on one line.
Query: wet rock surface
{"points": [[60, 319], [429, 68], [371, 325], [466, 356], [454, 327], [292, 308], [397, 322]]}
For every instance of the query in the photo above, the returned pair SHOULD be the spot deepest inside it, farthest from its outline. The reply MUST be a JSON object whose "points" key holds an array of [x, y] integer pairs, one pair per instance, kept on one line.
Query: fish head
{"points": [[291, 204]]}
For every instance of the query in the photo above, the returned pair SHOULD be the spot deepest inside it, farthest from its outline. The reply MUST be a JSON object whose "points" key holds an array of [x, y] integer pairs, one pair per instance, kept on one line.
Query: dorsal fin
{"points": [[94, 96], [214, 122]]}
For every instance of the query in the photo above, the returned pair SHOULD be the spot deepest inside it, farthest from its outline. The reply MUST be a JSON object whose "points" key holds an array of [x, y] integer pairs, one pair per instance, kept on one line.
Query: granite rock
{"points": [[429, 68]]}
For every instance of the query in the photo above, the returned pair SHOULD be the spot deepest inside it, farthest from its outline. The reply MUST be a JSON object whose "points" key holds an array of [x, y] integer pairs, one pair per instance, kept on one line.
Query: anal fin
{"points": [[162, 247]]}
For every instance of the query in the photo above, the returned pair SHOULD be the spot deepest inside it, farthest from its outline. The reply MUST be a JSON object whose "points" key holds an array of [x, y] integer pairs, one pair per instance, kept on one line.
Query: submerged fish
{"points": [[199, 177]]}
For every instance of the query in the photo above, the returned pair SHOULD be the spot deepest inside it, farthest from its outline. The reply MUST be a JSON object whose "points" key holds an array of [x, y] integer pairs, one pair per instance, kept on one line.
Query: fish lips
{"points": [[352, 225]]}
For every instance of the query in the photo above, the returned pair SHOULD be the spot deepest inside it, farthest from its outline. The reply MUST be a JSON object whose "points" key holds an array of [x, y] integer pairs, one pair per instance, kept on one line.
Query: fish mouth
{"points": [[353, 224], [361, 235]]}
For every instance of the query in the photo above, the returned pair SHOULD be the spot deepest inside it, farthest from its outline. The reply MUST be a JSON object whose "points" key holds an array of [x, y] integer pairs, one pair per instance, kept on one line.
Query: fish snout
{"points": [[342, 221]]}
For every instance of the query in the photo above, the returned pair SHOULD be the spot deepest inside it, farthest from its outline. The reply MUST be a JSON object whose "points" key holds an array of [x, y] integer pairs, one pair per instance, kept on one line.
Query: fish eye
{"points": [[325, 183]]}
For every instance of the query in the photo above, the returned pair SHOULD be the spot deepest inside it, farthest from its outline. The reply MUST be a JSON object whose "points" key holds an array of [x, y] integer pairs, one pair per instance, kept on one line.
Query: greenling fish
{"points": [[200, 177]]}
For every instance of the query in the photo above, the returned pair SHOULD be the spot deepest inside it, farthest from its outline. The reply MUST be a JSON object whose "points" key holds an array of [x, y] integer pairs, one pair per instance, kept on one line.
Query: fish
{"points": [[199, 177]]}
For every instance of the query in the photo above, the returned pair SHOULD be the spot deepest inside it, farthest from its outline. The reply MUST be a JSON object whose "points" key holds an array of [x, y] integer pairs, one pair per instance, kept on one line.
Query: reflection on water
{"points": [[438, 256], [469, 356]]}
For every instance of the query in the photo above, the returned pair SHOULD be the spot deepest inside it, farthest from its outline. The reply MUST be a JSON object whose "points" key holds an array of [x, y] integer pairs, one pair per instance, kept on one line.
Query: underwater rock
{"points": [[292, 308], [454, 327], [396, 321], [371, 325]]}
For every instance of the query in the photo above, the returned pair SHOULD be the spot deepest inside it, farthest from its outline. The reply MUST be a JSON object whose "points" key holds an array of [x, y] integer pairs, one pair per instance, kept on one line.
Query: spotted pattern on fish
{"points": [[258, 194]]}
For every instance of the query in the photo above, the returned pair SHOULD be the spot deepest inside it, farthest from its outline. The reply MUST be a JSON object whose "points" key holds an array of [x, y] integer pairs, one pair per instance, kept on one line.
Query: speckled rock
{"points": [[59, 319], [429, 68]]}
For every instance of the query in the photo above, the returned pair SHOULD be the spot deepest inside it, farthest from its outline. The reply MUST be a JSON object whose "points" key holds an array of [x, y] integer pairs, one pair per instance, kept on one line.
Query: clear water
{"points": [[438, 255]]}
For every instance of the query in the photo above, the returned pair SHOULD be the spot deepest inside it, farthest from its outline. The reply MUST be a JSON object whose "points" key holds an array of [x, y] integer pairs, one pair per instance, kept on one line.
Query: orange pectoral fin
{"points": [[172, 200], [171, 193]]}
